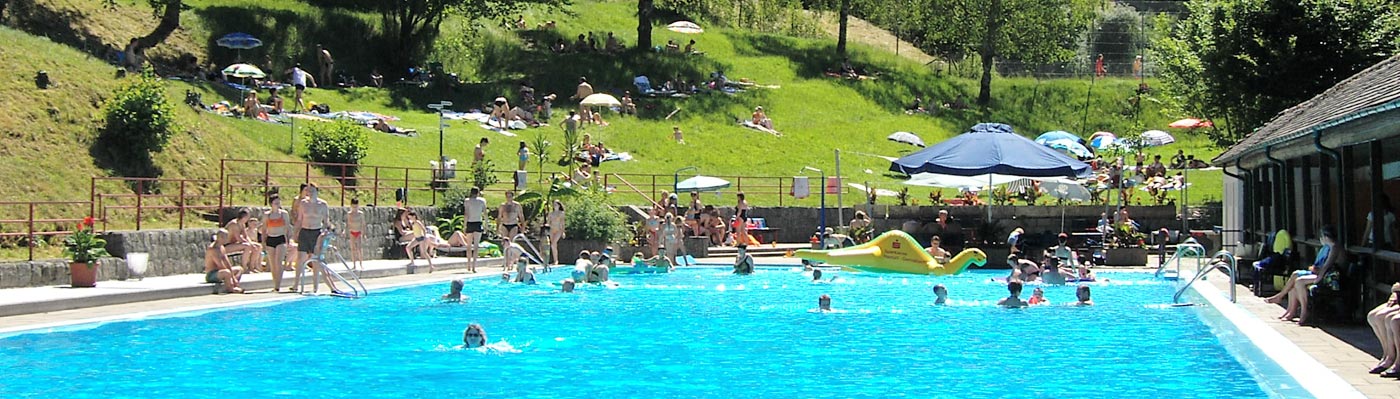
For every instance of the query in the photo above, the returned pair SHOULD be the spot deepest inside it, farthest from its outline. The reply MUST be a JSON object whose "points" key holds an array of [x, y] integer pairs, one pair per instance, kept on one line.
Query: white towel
{"points": [[800, 189], [521, 178]]}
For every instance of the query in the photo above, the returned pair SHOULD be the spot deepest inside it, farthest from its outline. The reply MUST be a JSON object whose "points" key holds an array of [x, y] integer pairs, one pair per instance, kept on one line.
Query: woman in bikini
{"points": [[554, 226], [669, 234], [694, 212], [653, 230], [355, 222], [274, 238]]}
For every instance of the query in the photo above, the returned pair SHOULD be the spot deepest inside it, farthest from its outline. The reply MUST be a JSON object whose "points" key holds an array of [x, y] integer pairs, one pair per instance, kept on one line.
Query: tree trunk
{"points": [[988, 52], [644, 10], [845, 14], [169, 21]]}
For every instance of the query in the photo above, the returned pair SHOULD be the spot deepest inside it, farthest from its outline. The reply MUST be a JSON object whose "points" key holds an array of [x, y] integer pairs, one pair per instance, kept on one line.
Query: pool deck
{"points": [[1347, 350]]}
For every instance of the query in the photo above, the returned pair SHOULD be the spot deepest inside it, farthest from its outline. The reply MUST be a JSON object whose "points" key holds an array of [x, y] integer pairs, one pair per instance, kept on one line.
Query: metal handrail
{"points": [[1222, 260], [1181, 249], [357, 287]]}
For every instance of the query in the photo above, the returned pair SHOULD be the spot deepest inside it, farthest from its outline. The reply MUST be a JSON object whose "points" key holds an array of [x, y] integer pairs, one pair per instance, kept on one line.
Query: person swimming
{"points": [[1083, 293], [1038, 297], [816, 275], [743, 262], [567, 286], [455, 293], [474, 336], [1014, 300], [824, 303], [582, 266], [942, 292]]}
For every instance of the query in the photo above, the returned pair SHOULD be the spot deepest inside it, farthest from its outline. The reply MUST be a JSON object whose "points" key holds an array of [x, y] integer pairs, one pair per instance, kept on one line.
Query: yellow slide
{"points": [[894, 252]]}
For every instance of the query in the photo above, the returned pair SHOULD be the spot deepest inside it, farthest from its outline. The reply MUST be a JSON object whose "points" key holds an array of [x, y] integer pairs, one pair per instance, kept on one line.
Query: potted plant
{"points": [[83, 248], [1125, 247]]}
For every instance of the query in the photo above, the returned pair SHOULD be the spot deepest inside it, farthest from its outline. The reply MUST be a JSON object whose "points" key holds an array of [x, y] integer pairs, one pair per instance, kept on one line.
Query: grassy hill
{"points": [[815, 113]]}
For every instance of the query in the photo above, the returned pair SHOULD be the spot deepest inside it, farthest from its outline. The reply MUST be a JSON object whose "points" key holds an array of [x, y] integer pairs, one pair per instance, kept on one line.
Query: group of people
{"points": [[287, 240]]}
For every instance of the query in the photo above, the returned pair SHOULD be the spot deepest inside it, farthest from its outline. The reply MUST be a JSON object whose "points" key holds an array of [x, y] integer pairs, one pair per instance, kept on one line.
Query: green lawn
{"points": [[816, 114]]}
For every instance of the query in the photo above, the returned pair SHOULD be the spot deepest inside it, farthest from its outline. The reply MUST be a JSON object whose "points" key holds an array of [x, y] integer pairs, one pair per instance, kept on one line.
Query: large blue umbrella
{"points": [[990, 148], [1056, 135], [239, 41]]}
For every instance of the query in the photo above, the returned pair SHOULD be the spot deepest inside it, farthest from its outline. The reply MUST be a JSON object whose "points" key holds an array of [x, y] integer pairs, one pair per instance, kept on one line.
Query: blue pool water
{"points": [[694, 333]]}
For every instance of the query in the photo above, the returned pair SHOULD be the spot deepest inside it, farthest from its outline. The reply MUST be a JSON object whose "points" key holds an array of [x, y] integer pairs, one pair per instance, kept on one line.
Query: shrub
{"points": [[339, 142], [138, 119], [452, 201], [483, 174], [592, 217]]}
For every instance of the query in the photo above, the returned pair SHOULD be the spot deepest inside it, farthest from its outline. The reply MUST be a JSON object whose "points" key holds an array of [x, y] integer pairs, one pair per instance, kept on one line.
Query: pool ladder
{"points": [[348, 278], [1223, 260], [1187, 248], [531, 252]]}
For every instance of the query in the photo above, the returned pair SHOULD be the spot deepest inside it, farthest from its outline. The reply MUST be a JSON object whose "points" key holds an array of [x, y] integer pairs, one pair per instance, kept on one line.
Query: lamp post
{"points": [[821, 217], [440, 107]]}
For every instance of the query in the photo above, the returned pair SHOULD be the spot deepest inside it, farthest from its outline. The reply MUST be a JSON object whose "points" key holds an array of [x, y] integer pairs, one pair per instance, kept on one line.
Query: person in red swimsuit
{"points": [[355, 220]]}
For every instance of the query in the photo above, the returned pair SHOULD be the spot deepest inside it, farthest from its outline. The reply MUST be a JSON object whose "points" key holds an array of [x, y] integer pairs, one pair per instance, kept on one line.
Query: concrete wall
{"points": [[182, 251]]}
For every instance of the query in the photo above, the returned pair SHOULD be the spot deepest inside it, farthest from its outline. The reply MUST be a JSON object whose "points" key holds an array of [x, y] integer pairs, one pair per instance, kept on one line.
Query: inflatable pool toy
{"points": [[640, 266], [894, 252]]}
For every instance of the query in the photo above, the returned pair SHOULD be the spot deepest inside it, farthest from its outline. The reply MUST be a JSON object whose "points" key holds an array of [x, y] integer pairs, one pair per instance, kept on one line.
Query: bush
{"points": [[592, 217], [452, 202], [483, 174], [339, 142], [138, 119]]}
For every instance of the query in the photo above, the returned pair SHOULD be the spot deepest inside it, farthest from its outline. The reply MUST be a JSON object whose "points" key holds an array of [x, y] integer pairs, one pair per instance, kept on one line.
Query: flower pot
{"points": [[82, 275], [1130, 256]]}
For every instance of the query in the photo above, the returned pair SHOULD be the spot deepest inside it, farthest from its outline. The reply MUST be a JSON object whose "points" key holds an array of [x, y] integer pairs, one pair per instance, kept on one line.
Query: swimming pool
{"points": [[693, 333]]}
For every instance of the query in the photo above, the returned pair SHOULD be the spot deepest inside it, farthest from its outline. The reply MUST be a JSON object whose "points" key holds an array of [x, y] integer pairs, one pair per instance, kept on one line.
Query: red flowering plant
{"points": [[84, 245]]}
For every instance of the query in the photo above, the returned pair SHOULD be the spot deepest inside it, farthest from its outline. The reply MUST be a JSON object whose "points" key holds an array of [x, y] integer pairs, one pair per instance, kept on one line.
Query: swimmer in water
{"points": [[824, 303], [568, 286], [1083, 293], [455, 295], [1038, 297], [1014, 300], [816, 275], [743, 262], [942, 292], [582, 265], [505, 278], [474, 336]]}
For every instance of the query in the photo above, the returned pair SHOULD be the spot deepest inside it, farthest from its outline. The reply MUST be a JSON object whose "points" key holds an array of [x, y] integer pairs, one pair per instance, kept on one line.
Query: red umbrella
{"points": [[1190, 123]]}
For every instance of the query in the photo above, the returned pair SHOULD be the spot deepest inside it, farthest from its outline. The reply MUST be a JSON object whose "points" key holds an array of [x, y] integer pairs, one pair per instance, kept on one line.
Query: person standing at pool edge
{"points": [[473, 209], [314, 215]]}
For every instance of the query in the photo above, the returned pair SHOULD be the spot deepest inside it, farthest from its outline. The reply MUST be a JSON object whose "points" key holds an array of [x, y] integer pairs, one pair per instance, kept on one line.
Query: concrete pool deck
{"points": [[1348, 351]]}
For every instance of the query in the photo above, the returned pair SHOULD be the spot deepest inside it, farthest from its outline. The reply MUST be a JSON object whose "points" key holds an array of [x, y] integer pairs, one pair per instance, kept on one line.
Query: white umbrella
{"points": [[600, 100], [1153, 138], [684, 27], [1065, 189], [701, 183], [906, 138], [244, 71]]}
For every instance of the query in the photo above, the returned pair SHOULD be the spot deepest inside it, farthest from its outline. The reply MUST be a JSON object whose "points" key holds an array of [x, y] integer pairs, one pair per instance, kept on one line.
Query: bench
{"points": [[759, 227], [1338, 301]]}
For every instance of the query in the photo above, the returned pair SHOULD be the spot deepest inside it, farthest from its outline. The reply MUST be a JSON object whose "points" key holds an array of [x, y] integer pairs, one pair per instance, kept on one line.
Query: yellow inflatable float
{"points": [[894, 252]]}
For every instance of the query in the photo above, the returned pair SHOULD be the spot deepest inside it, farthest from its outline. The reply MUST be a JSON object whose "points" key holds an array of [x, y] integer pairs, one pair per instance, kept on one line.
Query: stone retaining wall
{"points": [[182, 251]]}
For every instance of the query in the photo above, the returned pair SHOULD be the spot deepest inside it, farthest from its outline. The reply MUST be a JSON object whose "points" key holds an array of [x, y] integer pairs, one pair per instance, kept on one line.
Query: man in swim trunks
{"points": [[299, 81], [314, 215], [473, 209], [1013, 301], [936, 250], [508, 217], [327, 64], [217, 268], [582, 266]]}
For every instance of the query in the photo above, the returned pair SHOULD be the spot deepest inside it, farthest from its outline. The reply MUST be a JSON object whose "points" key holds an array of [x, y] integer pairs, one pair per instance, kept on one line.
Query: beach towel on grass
{"points": [[751, 125]]}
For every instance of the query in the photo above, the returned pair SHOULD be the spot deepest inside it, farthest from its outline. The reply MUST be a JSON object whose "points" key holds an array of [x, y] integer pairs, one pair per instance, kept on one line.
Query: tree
{"points": [[412, 24], [169, 12], [645, 8], [1034, 31], [1243, 61]]}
